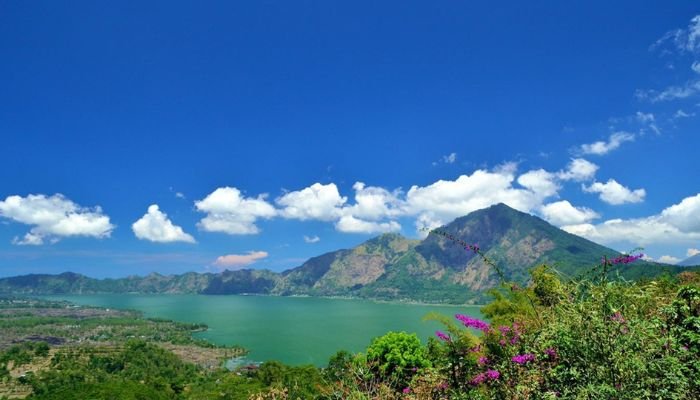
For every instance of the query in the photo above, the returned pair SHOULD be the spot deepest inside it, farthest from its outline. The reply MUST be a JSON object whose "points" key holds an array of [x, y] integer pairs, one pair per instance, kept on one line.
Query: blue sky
{"points": [[173, 137]]}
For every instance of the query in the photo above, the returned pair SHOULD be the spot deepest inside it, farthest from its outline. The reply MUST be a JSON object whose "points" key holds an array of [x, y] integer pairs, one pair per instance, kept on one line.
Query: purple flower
{"points": [[491, 374], [551, 353], [617, 317], [523, 358], [626, 258], [475, 349], [482, 360], [406, 390], [473, 322], [443, 336], [479, 379]]}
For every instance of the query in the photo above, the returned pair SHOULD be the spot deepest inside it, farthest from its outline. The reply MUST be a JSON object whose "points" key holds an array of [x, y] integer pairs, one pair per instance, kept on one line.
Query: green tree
{"points": [[396, 357]]}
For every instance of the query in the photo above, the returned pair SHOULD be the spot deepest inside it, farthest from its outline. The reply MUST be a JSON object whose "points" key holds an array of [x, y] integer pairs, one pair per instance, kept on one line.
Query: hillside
{"points": [[690, 261], [388, 267]]}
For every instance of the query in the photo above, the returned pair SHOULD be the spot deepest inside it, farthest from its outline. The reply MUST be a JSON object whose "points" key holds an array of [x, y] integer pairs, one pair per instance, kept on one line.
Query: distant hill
{"points": [[388, 267], [691, 261]]}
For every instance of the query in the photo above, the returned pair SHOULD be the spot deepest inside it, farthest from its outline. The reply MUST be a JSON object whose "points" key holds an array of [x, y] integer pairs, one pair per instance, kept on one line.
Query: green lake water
{"points": [[294, 330]]}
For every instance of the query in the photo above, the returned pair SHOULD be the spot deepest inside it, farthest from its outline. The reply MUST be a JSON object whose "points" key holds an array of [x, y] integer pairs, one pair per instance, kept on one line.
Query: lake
{"points": [[294, 330]]}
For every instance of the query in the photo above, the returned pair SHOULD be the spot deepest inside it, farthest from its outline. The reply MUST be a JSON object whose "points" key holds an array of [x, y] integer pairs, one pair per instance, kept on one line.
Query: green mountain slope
{"points": [[389, 266]]}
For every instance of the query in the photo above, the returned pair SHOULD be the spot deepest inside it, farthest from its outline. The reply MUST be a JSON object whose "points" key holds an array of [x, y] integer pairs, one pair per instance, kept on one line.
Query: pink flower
{"points": [[442, 336], [523, 358], [406, 390], [551, 353], [473, 322]]}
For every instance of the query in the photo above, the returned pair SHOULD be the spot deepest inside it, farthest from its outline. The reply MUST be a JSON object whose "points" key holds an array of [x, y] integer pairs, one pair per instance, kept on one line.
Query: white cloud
{"points": [[684, 215], [445, 200], [237, 261], [156, 227], [316, 202], [29, 239], [668, 259], [682, 114], [54, 217], [450, 158], [179, 195], [692, 252], [645, 117], [579, 170], [686, 90], [230, 212], [677, 224], [374, 203], [350, 224], [447, 159], [614, 193], [695, 67], [563, 213], [312, 239], [540, 181], [602, 147]]}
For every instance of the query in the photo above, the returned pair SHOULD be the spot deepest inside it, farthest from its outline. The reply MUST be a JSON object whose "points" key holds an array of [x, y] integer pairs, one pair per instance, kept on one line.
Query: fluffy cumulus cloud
{"points": [[156, 227], [444, 200], [316, 202], [238, 261], [602, 147], [677, 224], [668, 260], [540, 181], [312, 239], [228, 211], [350, 224], [374, 203], [684, 215], [562, 213], [614, 193], [692, 252], [54, 217], [578, 170]]}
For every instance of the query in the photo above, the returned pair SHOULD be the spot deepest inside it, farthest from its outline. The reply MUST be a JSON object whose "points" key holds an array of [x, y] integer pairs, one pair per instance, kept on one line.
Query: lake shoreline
{"points": [[313, 328]]}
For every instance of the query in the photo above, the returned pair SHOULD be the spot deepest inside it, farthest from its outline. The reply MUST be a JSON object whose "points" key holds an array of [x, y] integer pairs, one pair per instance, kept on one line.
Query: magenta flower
{"points": [[523, 358], [470, 322], [551, 353], [491, 375], [406, 390], [479, 379], [442, 336], [482, 360], [626, 258]]}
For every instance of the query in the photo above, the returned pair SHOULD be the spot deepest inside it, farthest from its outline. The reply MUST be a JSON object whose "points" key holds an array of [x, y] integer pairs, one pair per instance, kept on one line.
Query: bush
{"points": [[396, 357]]}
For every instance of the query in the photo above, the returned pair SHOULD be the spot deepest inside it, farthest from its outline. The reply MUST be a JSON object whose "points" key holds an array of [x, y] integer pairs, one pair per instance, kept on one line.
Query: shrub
{"points": [[396, 357]]}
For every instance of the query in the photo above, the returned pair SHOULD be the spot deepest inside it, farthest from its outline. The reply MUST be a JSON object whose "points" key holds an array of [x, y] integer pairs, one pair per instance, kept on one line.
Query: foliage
{"points": [[396, 357]]}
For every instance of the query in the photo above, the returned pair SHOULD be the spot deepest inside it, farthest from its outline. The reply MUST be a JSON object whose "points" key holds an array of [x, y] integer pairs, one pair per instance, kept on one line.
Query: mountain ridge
{"points": [[386, 267]]}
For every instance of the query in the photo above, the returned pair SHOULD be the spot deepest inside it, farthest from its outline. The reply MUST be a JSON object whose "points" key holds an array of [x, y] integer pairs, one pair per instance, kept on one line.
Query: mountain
{"points": [[388, 267], [691, 261]]}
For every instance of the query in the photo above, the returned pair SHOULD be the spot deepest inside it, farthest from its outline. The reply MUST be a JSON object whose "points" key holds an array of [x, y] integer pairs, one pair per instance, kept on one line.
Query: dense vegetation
{"points": [[588, 338]]}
